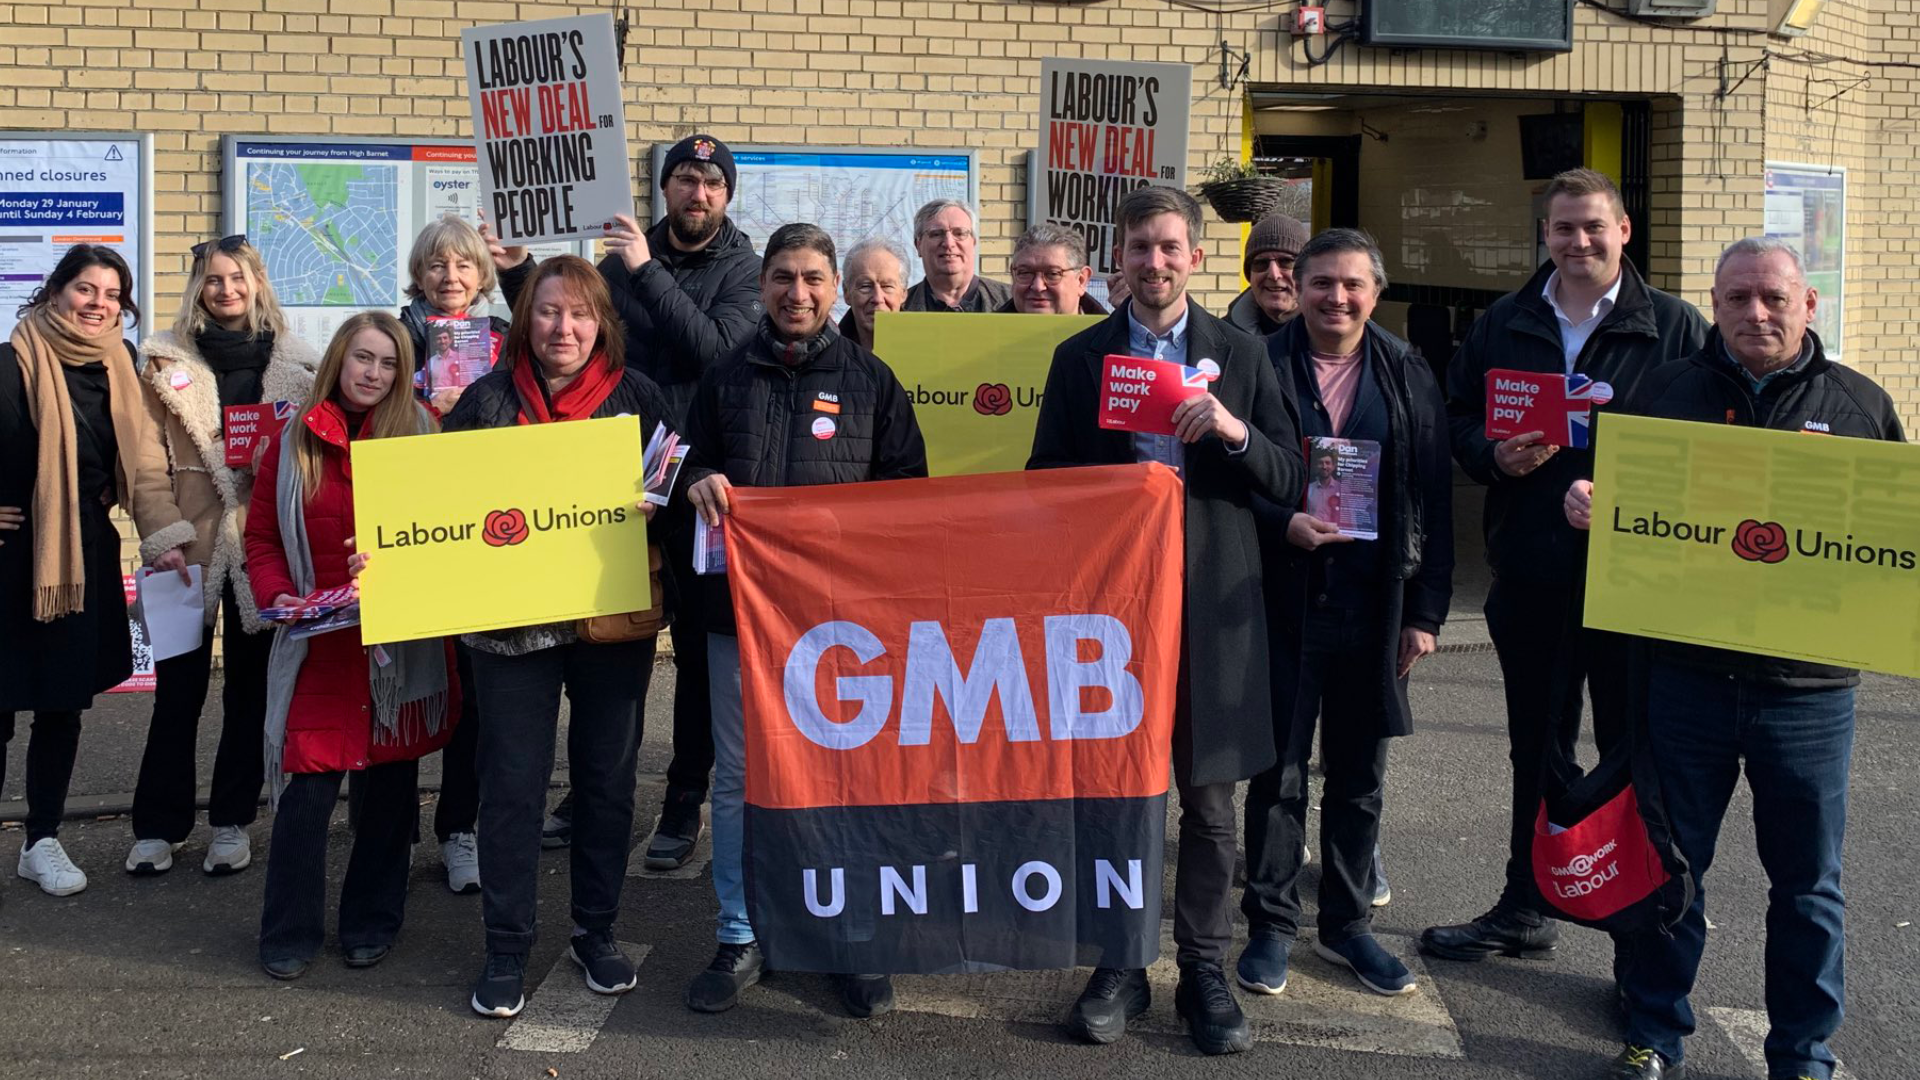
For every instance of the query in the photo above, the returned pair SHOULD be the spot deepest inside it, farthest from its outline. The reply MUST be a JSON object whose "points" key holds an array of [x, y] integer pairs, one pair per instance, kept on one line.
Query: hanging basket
{"points": [[1247, 199]]}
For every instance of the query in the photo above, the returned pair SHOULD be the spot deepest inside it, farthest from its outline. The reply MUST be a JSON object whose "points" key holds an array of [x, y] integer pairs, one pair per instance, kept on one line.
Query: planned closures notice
{"points": [[549, 128]]}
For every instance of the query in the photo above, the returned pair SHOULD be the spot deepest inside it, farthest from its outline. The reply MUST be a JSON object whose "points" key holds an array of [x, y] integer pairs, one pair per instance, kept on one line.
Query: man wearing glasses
{"points": [[943, 232], [1050, 274]]}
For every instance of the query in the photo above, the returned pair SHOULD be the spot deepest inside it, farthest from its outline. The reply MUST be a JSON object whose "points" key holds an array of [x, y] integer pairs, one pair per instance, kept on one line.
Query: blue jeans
{"points": [[729, 788], [1795, 744]]}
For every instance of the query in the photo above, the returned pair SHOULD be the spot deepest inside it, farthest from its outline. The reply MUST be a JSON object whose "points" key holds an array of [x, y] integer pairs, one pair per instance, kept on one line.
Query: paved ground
{"points": [[156, 977]]}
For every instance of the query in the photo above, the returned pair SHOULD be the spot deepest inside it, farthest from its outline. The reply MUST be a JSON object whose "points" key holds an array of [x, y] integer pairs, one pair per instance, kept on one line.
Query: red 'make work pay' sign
{"points": [[1140, 395]]}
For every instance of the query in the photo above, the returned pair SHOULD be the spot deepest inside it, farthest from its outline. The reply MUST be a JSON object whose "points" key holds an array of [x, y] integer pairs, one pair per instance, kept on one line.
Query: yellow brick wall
{"points": [[932, 74]]}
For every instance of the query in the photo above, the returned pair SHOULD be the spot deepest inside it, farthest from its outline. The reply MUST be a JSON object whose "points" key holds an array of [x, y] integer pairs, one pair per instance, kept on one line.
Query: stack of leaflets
{"points": [[1343, 485], [323, 611], [661, 463], [709, 547]]}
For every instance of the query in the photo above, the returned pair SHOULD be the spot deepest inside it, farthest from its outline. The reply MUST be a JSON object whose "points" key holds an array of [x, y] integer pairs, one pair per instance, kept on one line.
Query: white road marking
{"points": [[1747, 1029], [1323, 1006], [563, 1016]]}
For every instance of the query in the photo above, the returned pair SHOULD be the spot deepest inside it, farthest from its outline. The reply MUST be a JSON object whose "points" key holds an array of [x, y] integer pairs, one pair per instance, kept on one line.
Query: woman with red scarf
{"points": [[563, 359]]}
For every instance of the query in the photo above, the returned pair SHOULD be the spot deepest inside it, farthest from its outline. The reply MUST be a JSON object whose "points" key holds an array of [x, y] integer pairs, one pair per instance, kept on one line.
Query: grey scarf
{"points": [[409, 690]]}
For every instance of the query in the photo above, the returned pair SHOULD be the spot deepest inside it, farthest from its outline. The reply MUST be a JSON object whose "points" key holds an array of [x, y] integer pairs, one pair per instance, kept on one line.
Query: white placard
{"points": [[549, 127], [172, 611]]}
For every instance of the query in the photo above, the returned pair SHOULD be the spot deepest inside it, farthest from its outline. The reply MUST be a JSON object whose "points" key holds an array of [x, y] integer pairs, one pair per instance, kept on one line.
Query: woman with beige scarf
{"points": [[74, 441]]}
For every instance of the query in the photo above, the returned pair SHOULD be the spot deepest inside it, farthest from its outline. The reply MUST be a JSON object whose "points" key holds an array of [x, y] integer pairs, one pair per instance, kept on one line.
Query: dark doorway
{"points": [[1342, 155]]}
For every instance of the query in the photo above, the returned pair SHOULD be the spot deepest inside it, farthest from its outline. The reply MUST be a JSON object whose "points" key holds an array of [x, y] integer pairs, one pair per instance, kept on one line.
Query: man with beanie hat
{"points": [[1270, 298], [688, 292]]}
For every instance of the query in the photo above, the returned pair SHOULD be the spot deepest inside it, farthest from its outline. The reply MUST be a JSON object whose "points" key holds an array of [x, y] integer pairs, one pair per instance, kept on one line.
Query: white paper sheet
{"points": [[173, 610]]}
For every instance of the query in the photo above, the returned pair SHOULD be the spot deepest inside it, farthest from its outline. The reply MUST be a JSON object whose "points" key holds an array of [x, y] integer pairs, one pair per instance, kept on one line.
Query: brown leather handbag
{"points": [[631, 625]]}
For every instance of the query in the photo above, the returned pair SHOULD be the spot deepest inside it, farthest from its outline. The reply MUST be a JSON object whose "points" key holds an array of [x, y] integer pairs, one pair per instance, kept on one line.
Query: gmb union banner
{"points": [[959, 707], [1789, 544], [485, 530], [975, 381]]}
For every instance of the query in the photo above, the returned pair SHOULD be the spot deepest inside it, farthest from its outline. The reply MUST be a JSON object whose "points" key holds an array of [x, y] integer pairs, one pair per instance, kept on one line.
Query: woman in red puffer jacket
{"points": [[323, 719]]}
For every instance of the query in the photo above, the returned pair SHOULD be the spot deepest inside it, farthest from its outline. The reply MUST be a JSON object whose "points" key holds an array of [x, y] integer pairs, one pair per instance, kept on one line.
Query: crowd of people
{"points": [[1292, 629]]}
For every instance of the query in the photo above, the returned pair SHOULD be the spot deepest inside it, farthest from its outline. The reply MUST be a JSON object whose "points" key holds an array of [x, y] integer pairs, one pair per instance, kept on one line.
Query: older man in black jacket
{"points": [[1712, 712], [1352, 606], [1588, 312], [688, 292], [1233, 444]]}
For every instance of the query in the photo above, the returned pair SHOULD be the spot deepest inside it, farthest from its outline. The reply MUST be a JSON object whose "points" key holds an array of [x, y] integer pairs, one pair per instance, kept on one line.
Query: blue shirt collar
{"points": [[1138, 336]]}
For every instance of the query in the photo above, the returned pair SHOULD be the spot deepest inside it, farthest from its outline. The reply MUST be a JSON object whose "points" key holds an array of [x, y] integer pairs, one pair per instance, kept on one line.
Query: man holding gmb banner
{"points": [[1789, 720], [796, 404], [687, 291], [1236, 442]]}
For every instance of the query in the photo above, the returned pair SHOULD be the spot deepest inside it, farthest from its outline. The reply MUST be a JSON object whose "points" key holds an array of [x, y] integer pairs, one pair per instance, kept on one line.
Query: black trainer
{"points": [[557, 830], [734, 968], [866, 996], [1506, 930], [607, 969], [1112, 997], [1205, 1000], [501, 991], [674, 839], [1641, 1063]]}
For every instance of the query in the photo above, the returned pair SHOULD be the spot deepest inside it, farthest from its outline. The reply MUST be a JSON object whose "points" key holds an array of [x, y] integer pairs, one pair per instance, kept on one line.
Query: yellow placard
{"points": [[486, 530], [1789, 544], [975, 381]]}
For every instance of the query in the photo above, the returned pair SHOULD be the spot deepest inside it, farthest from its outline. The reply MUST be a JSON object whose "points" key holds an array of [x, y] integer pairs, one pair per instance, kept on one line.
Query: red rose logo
{"points": [[992, 399], [505, 527], [1760, 541]]}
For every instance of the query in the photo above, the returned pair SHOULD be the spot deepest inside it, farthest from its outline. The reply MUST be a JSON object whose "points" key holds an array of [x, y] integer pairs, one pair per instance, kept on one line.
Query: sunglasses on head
{"points": [[226, 245]]}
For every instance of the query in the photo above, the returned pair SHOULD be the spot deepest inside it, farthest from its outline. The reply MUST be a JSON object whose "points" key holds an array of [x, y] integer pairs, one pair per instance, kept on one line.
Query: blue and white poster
{"points": [[58, 190]]}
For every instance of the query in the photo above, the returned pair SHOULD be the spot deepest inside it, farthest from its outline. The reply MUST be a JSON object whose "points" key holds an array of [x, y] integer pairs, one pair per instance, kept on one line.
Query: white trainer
{"points": [[151, 857], [230, 851], [46, 865], [461, 856]]}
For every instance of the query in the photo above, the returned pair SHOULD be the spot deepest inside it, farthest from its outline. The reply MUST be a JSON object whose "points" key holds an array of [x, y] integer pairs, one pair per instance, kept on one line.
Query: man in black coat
{"points": [[1588, 312], [688, 292], [1714, 713], [1231, 445], [1352, 605], [796, 404]]}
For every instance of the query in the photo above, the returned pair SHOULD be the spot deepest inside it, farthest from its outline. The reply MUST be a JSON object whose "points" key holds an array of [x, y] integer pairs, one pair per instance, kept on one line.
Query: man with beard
{"points": [[688, 292], [944, 234], [1232, 444], [1271, 297]]}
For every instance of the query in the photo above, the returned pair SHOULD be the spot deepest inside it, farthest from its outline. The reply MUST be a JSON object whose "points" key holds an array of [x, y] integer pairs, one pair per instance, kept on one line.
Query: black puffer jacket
{"points": [[1528, 537], [683, 310], [835, 415], [1823, 397]]}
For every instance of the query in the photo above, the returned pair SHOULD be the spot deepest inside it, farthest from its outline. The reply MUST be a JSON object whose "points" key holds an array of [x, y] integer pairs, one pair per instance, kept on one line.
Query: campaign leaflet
{"points": [[322, 611], [661, 462], [1137, 394], [1561, 406], [459, 351], [248, 425], [1343, 485]]}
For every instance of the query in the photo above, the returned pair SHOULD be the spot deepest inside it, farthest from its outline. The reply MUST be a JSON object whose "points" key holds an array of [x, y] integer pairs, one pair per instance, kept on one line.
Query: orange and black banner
{"points": [[959, 701]]}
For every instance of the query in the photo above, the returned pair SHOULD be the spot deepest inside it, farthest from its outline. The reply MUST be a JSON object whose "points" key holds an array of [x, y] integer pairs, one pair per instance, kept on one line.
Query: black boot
{"points": [[1112, 997], [866, 996], [1509, 930], [1206, 1002]]}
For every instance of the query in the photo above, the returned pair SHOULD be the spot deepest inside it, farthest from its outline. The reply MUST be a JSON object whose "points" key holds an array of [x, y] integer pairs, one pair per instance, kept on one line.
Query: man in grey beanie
{"points": [[1270, 298]]}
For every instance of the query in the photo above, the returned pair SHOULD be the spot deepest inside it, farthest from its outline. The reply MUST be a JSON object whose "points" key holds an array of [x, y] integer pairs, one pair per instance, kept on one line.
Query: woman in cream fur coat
{"points": [[230, 346]]}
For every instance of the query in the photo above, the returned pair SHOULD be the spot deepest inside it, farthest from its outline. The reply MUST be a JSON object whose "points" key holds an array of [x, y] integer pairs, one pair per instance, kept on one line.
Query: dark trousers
{"points": [[1795, 745], [373, 898], [519, 714], [163, 799], [1545, 657], [459, 805], [1339, 666], [51, 751], [692, 701], [1203, 883]]}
